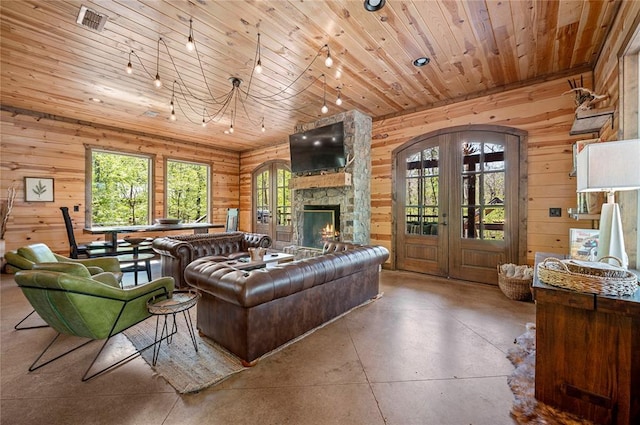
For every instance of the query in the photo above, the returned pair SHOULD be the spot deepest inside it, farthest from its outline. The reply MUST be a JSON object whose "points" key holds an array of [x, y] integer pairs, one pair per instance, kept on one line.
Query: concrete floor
{"points": [[430, 351]]}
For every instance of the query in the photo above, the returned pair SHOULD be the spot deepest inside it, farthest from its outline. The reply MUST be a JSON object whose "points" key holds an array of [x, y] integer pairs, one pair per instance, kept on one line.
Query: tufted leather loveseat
{"points": [[176, 252], [253, 312]]}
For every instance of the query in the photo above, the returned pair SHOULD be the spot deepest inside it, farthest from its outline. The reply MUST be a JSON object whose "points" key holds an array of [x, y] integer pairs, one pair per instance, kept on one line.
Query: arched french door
{"points": [[460, 206], [272, 202]]}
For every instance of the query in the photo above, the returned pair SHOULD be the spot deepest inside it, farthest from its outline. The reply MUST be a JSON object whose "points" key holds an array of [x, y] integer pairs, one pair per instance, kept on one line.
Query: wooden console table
{"points": [[588, 353]]}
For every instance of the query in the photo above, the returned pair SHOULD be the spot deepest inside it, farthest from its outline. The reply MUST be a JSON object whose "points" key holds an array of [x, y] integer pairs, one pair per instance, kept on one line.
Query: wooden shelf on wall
{"points": [[591, 121], [321, 180]]}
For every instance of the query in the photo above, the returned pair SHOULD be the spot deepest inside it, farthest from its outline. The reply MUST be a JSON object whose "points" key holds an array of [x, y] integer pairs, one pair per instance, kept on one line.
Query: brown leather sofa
{"points": [[176, 252], [253, 312]]}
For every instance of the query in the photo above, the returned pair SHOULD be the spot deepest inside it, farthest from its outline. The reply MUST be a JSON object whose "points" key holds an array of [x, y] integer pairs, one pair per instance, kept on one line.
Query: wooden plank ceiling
{"points": [[53, 65]]}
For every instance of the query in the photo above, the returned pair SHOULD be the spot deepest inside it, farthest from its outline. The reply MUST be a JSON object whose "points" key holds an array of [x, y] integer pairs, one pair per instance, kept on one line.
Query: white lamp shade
{"points": [[609, 166]]}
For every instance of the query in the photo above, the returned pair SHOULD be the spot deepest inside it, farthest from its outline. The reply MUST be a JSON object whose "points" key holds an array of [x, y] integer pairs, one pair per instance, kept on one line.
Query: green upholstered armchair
{"points": [[87, 308], [24, 258], [27, 257]]}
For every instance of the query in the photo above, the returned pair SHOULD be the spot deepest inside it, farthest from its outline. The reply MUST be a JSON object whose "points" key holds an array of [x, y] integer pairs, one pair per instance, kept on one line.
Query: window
{"points": [[187, 196], [120, 188]]}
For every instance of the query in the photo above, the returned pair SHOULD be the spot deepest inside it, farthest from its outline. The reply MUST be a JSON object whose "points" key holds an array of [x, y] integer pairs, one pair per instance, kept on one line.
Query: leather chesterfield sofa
{"points": [[253, 312], [176, 252]]}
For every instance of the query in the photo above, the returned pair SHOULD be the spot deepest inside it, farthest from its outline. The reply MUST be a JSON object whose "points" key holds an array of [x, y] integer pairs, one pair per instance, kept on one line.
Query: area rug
{"points": [[526, 409], [178, 362], [190, 371]]}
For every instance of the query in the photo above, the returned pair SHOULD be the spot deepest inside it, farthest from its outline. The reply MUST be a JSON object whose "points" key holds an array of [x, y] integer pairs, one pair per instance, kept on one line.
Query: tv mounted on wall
{"points": [[319, 149]]}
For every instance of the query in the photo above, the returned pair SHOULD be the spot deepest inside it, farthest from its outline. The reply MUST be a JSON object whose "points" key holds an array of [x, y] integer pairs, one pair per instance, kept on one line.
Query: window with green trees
{"points": [[187, 196], [120, 188]]}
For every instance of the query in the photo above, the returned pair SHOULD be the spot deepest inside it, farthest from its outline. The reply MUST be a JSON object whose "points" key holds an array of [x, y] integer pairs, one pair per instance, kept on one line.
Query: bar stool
{"points": [[135, 257]]}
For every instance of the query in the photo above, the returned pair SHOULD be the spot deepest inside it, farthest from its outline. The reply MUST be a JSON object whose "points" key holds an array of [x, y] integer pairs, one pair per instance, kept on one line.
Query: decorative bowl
{"points": [[168, 220]]}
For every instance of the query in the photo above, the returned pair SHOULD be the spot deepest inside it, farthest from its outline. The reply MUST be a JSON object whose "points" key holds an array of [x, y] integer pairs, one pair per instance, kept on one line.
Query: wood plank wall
{"points": [[33, 146]]}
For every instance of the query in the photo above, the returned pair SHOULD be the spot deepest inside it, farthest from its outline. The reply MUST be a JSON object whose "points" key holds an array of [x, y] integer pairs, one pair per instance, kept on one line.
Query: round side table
{"points": [[180, 302]]}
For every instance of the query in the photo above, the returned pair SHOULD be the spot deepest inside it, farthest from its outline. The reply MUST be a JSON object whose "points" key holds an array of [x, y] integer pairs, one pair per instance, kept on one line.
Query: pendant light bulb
{"points": [[258, 67], [324, 109], [231, 129], [171, 107], [157, 81], [129, 66], [173, 115], [339, 99], [262, 128], [204, 123], [328, 61], [190, 45]]}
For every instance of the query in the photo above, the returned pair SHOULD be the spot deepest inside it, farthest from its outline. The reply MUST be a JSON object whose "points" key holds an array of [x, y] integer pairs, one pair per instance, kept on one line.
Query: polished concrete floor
{"points": [[430, 351]]}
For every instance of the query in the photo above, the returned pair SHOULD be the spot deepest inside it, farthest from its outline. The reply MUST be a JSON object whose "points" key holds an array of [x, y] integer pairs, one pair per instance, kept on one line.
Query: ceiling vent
{"points": [[91, 19]]}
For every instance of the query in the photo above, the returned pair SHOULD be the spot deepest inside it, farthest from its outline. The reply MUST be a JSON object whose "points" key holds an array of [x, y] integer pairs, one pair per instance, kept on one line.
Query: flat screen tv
{"points": [[319, 149]]}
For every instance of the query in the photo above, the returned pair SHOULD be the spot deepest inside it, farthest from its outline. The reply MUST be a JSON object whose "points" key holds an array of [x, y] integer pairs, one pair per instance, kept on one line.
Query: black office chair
{"points": [[93, 249]]}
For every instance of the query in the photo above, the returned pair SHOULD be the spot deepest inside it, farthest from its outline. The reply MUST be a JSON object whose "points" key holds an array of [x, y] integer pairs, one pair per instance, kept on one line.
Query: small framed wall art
{"points": [[38, 189]]}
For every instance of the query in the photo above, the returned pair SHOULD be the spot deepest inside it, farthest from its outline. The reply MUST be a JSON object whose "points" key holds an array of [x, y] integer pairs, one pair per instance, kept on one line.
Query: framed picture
{"points": [[583, 244], [38, 189]]}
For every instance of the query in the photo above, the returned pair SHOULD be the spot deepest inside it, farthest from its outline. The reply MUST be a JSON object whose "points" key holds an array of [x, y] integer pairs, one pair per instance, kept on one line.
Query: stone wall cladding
{"points": [[354, 200]]}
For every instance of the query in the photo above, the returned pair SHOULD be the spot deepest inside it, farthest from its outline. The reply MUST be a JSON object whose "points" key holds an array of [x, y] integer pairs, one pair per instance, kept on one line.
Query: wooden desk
{"points": [[111, 232], [588, 353]]}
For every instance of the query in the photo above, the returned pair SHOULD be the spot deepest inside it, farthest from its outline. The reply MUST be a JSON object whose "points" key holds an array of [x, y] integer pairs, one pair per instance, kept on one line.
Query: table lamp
{"points": [[610, 167]]}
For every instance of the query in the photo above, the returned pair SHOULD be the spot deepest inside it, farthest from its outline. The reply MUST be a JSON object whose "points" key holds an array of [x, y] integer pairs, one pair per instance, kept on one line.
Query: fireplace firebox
{"points": [[319, 224]]}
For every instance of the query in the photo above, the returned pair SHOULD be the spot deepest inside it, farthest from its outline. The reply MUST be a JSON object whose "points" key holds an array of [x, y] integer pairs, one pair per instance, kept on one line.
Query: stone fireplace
{"points": [[345, 192]]}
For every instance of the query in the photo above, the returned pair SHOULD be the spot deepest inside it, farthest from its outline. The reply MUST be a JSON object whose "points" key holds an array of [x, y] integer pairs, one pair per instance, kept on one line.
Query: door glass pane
{"points": [[493, 157], [421, 192], [283, 209], [262, 198], [471, 156], [483, 190]]}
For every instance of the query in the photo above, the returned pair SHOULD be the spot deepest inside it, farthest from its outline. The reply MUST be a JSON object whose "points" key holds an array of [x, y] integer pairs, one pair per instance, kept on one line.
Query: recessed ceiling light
{"points": [[421, 61], [373, 5], [95, 99]]}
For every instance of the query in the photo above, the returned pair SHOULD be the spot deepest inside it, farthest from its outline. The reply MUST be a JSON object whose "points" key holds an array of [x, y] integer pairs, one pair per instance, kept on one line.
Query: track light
{"points": [[328, 61], [129, 66], [190, 45]]}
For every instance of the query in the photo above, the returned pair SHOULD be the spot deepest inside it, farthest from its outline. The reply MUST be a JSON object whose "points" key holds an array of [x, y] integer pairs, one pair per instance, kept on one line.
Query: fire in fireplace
{"points": [[319, 224]]}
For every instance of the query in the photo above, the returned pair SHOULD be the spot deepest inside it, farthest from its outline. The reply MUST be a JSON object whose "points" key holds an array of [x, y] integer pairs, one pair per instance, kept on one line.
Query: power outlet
{"points": [[555, 212]]}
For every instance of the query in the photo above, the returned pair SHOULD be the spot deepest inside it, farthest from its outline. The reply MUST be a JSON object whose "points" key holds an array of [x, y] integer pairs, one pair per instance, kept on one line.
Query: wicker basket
{"points": [[514, 288], [594, 279]]}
